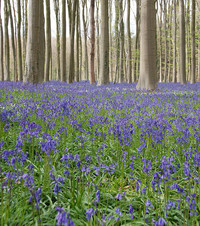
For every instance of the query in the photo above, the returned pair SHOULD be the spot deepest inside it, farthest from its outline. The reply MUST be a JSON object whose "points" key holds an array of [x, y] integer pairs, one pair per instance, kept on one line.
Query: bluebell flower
{"points": [[97, 196], [118, 196], [63, 218], [89, 213]]}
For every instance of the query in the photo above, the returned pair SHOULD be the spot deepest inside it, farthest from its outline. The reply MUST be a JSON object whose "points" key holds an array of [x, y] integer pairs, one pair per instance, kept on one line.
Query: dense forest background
{"points": [[70, 39]]}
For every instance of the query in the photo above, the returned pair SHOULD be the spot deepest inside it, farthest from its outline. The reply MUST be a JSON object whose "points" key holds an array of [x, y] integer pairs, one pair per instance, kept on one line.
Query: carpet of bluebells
{"points": [[76, 154]]}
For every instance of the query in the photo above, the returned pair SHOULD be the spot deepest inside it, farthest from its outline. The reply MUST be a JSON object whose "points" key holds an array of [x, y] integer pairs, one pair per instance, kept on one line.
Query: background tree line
{"points": [[100, 46]]}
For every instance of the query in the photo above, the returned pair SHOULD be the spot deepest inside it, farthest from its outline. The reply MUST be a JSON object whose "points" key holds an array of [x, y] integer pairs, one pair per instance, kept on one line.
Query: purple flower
{"points": [[118, 196], [62, 219], [160, 222], [89, 213], [97, 196]]}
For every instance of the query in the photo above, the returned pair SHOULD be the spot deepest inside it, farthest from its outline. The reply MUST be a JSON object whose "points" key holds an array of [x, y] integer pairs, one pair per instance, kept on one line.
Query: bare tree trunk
{"points": [[25, 29], [160, 33], [147, 79], [84, 4], [117, 42], [1, 49], [174, 55], [92, 38], [97, 26], [6, 42], [121, 65], [110, 41], [57, 13], [20, 71], [48, 41], [129, 43], [77, 43], [12, 40], [32, 67], [166, 42], [42, 42], [104, 44], [193, 42], [63, 50], [182, 74]]}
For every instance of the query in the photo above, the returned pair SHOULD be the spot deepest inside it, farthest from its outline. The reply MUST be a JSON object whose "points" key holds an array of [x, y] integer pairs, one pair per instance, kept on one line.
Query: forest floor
{"points": [[80, 154]]}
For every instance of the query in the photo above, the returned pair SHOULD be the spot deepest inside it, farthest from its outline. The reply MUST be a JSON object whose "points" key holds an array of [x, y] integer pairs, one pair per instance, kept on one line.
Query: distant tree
{"points": [[104, 44], [1, 49], [182, 74], [92, 38], [147, 79]]}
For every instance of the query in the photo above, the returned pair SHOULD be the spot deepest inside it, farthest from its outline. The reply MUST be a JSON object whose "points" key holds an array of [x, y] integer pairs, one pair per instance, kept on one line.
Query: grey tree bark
{"points": [[33, 52], [1, 49], [174, 54], [129, 43], [6, 42], [147, 79], [57, 13], [77, 77], [19, 52], [182, 74], [92, 38], [63, 49], [104, 44], [193, 42], [48, 41]]}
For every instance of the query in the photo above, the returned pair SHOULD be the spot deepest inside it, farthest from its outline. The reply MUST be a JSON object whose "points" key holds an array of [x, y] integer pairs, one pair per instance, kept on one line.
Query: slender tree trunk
{"points": [[32, 67], [25, 28], [63, 49], [137, 54], [12, 40], [182, 74], [117, 42], [110, 41], [85, 38], [20, 71], [129, 43], [1, 49], [48, 41], [57, 13], [104, 44], [161, 38], [42, 42], [6, 42], [121, 70], [166, 42], [71, 60], [97, 26], [174, 54], [147, 79], [92, 34], [193, 43], [77, 43]]}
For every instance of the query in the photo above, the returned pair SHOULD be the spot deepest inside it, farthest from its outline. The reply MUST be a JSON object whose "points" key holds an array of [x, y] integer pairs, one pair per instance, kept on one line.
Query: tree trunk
{"points": [[72, 31], [63, 50], [147, 79], [57, 13], [121, 68], [42, 42], [174, 54], [98, 36], [92, 38], [104, 44], [6, 42], [20, 71], [32, 66], [193, 43], [182, 74], [1, 49], [166, 42], [129, 43], [84, 2], [48, 40], [77, 43], [12, 40], [117, 43]]}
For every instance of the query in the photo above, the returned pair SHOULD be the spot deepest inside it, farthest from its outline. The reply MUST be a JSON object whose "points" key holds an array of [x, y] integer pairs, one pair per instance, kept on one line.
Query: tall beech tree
{"points": [[104, 44], [63, 41], [147, 79], [1, 49], [193, 42], [92, 38], [182, 74], [34, 63]]}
